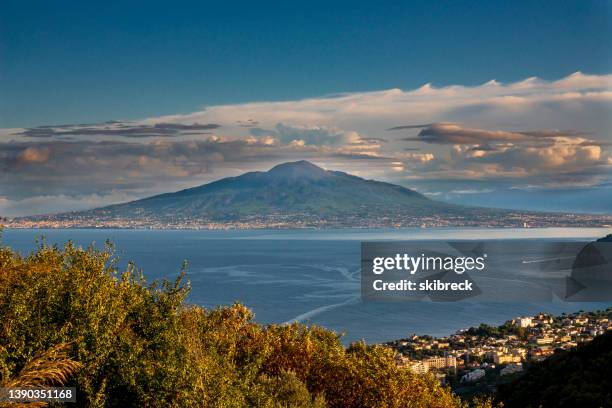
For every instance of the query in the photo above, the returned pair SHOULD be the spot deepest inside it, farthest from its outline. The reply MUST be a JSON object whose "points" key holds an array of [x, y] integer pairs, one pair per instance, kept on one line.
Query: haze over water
{"points": [[307, 275]]}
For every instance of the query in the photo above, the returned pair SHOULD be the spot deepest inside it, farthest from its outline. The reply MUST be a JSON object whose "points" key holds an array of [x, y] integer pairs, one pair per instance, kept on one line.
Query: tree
{"points": [[137, 344]]}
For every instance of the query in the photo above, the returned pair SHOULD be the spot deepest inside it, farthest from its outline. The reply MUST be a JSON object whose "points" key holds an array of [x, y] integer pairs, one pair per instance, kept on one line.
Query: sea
{"points": [[310, 276]]}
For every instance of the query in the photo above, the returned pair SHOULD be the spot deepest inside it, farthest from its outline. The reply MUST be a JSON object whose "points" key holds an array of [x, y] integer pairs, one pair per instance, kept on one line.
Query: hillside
{"points": [[298, 194], [580, 377], [291, 188]]}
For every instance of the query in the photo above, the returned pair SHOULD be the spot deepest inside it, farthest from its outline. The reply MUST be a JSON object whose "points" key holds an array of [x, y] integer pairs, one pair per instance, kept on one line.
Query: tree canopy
{"points": [[124, 342]]}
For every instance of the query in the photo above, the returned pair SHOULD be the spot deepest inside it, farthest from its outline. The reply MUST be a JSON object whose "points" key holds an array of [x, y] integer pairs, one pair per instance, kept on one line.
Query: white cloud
{"points": [[315, 135], [534, 130]]}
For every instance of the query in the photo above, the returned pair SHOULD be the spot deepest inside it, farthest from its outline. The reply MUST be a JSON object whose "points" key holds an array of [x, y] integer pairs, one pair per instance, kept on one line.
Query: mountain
{"points": [[295, 194], [287, 189], [298, 187]]}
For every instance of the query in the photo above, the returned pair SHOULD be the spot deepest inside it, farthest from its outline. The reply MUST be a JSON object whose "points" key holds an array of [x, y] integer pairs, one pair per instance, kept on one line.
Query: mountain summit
{"points": [[286, 190], [298, 169], [290, 194]]}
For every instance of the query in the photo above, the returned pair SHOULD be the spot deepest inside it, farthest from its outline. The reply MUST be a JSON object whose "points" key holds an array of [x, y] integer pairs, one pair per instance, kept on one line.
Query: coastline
{"points": [[480, 358]]}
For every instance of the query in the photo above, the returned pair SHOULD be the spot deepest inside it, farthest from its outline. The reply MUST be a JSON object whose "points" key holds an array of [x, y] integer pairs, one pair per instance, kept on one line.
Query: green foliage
{"points": [[135, 344], [484, 330], [284, 390]]}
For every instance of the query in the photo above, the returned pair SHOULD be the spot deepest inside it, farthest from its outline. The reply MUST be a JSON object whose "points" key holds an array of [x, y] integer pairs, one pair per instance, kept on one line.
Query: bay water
{"points": [[311, 276]]}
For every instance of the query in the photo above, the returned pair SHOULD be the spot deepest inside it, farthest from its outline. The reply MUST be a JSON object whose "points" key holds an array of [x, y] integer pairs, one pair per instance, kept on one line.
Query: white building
{"points": [[473, 375], [523, 322], [419, 367]]}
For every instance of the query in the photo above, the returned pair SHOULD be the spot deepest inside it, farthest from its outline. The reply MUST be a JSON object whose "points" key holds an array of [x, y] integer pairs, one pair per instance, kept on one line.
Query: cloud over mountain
{"points": [[532, 132]]}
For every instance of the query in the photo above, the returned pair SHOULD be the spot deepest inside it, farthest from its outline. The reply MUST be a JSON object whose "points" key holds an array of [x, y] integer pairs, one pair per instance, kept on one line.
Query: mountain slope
{"points": [[294, 195], [289, 188], [581, 377]]}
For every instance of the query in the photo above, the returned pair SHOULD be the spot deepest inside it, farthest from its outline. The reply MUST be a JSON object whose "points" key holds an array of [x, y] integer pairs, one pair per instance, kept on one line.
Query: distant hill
{"points": [[581, 377], [295, 194], [289, 188]]}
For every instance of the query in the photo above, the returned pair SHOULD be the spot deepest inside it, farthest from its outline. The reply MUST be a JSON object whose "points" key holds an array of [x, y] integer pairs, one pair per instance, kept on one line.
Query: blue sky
{"points": [[503, 104], [75, 61]]}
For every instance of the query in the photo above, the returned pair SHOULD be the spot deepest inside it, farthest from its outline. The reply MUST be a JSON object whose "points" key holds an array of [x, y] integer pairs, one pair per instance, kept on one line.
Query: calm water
{"points": [[310, 276]]}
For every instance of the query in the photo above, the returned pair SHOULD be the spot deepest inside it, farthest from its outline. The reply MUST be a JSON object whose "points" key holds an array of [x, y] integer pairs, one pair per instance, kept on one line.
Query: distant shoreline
{"points": [[580, 223], [385, 233]]}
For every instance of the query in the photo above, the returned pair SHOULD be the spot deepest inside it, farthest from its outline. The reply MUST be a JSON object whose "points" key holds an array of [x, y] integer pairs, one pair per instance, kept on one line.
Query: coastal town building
{"points": [[473, 375], [503, 349], [523, 321]]}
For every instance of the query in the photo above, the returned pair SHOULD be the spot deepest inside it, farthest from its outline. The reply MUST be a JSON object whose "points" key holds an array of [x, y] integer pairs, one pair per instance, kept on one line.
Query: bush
{"points": [[128, 343]]}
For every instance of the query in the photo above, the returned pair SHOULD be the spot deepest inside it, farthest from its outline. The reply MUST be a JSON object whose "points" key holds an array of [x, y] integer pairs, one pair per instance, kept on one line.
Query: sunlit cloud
{"points": [[532, 132]]}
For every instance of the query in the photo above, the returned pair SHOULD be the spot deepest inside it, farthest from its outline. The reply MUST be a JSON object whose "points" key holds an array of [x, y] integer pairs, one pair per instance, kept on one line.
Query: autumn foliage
{"points": [[129, 343]]}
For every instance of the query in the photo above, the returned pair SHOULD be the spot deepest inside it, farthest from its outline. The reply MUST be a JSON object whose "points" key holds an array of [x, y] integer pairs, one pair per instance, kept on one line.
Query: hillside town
{"points": [[484, 356]]}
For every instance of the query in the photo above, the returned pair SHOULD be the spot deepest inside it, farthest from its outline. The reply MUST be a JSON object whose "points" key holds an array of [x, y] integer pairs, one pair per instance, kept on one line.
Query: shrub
{"points": [[135, 344]]}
